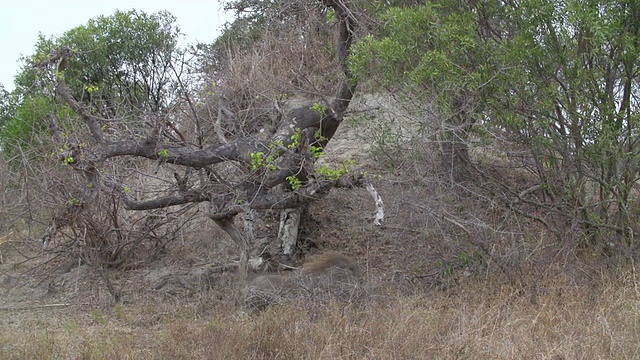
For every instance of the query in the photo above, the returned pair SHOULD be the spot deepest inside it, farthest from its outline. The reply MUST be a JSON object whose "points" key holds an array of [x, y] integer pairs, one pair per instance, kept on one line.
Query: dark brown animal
{"points": [[332, 263], [327, 276]]}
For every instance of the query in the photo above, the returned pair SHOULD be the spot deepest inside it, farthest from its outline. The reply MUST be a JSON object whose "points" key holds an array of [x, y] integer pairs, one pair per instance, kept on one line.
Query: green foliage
{"points": [[69, 160], [332, 174], [256, 160], [335, 174], [574, 63], [331, 17], [25, 128], [91, 88], [120, 68], [559, 77], [119, 312], [8, 104], [421, 46], [296, 139], [320, 109], [261, 160], [316, 151], [119, 59], [294, 182], [71, 326], [467, 261]]}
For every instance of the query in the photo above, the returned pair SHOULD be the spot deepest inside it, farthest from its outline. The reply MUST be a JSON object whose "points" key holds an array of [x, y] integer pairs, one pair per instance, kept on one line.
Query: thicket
{"points": [[543, 89], [530, 107]]}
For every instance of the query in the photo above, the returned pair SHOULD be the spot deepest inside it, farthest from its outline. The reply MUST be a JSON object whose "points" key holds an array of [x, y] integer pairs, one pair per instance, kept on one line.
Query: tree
{"points": [[433, 51], [557, 78], [126, 70], [234, 174], [575, 108], [124, 65]]}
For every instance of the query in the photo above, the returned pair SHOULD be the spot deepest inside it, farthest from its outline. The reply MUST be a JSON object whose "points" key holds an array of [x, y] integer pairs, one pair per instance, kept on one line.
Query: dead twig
{"points": [[39, 307]]}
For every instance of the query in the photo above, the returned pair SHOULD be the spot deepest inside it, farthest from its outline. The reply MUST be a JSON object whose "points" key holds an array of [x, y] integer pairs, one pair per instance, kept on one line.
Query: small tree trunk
{"points": [[454, 159], [455, 148], [229, 227]]}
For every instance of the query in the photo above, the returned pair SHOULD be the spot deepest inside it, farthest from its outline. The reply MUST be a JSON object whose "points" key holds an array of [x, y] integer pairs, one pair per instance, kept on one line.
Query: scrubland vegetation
{"points": [[564, 322], [500, 136]]}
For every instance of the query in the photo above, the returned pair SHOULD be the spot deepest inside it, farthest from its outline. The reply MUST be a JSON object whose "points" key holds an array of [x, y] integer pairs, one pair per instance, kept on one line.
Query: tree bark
{"points": [[262, 186], [288, 230]]}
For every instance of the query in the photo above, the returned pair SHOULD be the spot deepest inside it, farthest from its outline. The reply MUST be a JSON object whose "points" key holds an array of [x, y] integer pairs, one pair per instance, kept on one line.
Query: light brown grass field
{"points": [[561, 321]]}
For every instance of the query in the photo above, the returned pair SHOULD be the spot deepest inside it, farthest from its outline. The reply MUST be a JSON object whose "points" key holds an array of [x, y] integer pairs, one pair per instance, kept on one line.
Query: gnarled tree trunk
{"points": [[241, 174]]}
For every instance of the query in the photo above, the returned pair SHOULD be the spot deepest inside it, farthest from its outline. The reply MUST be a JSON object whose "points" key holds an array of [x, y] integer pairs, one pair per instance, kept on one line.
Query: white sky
{"points": [[22, 20]]}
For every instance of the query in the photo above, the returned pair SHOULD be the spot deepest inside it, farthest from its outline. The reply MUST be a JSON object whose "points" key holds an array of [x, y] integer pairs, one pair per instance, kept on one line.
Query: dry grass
{"points": [[475, 322], [562, 312]]}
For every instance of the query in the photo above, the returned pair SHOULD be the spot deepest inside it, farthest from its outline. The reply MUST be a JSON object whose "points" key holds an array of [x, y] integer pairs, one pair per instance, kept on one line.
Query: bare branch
{"points": [[379, 204], [190, 197], [91, 120]]}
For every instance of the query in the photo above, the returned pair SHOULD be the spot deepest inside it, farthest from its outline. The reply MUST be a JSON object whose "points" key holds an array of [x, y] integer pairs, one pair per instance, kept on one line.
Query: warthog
{"points": [[328, 276]]}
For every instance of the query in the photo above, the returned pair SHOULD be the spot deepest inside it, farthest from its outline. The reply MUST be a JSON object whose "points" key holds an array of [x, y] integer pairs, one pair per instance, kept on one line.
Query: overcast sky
{"points": [[22, 20]]}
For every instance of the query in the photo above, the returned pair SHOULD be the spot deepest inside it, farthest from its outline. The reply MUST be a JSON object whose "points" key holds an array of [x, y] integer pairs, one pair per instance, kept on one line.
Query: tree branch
{"points": [[91, 120], [189, 197], [241, 149]]}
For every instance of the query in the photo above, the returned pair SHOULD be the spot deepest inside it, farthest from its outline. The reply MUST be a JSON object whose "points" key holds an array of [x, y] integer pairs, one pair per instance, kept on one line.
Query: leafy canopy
{"points": [[557, 77], [123, 66]]}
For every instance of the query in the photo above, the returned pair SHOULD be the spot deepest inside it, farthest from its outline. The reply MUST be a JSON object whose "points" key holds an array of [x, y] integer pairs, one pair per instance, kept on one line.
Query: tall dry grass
{"points": [[560, 321]]}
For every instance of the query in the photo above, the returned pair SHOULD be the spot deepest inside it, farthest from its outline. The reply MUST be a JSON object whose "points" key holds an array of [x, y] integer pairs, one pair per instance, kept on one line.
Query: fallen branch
{"points": [[37, 307], [379, 204]]}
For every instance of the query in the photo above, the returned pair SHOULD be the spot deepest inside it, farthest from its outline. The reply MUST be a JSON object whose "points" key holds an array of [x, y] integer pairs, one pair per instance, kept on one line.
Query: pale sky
{"points": [[22, 20]]}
